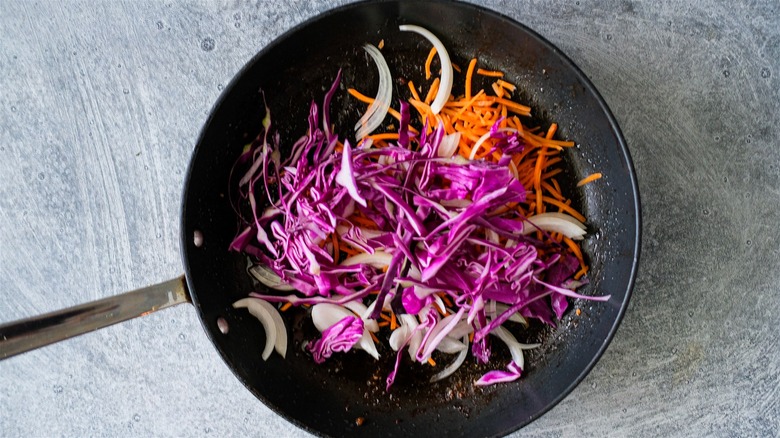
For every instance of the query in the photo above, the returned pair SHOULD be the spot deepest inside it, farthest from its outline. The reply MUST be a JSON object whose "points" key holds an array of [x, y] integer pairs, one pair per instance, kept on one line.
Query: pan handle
{"points": [[31, 333]]}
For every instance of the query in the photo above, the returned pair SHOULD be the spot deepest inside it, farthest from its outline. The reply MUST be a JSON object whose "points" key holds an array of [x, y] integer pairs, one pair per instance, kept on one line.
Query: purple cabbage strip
{"points": [[434, 219]]}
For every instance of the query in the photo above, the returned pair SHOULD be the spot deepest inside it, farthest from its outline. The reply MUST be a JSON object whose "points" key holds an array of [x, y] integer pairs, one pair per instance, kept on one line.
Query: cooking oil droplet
{"points": [[159, 24], [136, 418], [706, 212], [57, 389], [182, 336], [726, 73], [765, 73], [749, 242], [13, 109], [126, 91], [690, 314], [219, 86]]}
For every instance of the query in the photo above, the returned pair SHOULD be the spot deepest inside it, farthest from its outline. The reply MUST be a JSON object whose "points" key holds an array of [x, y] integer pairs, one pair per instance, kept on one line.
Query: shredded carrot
{"points": [[588, 179], [431, 362], [381, 44], [373, 336], [413, 90], [285, 306], [428, 61], [383, 324], [498, 90], [393, 321], [334, 239], [490, 73], [504, 84], [432, 91], [578, 312], [456, 67], [469, 75]]}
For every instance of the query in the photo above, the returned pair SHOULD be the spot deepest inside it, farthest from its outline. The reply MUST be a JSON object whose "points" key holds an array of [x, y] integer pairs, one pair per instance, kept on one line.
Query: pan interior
{"points": [[298, 68]]}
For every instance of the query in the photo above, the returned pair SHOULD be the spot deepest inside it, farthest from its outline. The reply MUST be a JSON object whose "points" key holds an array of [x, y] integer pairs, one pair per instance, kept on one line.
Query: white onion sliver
{"points": [[275, 331], [379, 259], [511, 342], [462, 329], [445, 83], [516, 317], [269, 278], [324, 315], [450, 345], [361, 310], [399, 336], [378, 108], [451, 368], [448, 145], [555, 222]]}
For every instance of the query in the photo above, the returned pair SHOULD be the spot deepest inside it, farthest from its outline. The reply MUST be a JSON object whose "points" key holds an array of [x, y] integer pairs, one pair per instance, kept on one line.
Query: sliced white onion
{"points": [[515, 348], [269, 278], [462, 329], [485, 136], [555, 222], [445, 83], [361, 310], [516, 317], [273, 324], [450, 345], [417, 335], [378, 108], [325, 315], [378, 259], [451, 368], [448, 145], [399, 336]]}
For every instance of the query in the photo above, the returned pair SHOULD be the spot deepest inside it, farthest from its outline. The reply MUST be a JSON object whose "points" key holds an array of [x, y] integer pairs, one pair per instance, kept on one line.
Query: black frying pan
{"points": [[329, 399]]}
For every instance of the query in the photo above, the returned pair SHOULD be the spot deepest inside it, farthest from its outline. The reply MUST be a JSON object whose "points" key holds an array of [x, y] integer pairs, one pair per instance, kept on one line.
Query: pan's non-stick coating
{"points": [[299, 67]]}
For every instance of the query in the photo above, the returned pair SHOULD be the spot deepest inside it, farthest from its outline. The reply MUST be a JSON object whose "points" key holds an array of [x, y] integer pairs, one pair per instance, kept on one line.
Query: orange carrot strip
{"points": [[285, 306], [413, 90], [504, 84], [384, 136], [373, 336], [589, 178], [498, 90], [490, 73], [431, 362], [551, 131], [334, 239], [428, 61], [469, 75], [456, 67], [432, 91], [393, 321]]}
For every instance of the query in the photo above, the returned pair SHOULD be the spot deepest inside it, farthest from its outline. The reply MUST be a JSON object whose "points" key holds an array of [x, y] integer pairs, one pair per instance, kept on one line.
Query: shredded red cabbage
{"points": [[435, 226]]}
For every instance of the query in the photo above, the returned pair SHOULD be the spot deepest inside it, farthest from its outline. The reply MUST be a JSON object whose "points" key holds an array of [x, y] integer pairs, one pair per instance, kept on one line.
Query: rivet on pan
{"points": [[198, 238], [222, 325]]}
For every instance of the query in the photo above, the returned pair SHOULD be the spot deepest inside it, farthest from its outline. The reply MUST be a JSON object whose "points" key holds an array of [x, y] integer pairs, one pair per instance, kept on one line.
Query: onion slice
{"points": [[445, 84], [451, 368], [325, 315], [378, 108], [555, 222], [269, 278], [275, 331]]}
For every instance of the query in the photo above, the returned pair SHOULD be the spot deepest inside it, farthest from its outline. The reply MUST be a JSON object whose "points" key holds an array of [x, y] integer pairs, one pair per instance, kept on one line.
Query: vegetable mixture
{"points": [[428, 237]]}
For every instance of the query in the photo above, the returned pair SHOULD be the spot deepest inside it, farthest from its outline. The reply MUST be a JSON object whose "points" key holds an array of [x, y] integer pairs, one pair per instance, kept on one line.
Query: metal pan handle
{"points": [[31, 333]]}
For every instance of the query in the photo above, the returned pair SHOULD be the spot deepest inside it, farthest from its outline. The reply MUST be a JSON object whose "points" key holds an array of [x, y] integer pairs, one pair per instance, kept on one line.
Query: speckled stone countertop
{"points": [[100, 107]]}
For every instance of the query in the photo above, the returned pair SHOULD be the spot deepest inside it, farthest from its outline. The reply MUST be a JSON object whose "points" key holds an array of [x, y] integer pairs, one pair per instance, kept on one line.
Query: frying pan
{"points": [[329, 399]]}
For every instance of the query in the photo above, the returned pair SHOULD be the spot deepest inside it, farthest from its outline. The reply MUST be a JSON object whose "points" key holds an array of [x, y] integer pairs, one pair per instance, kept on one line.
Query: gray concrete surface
{"points": [[100, 106]]}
